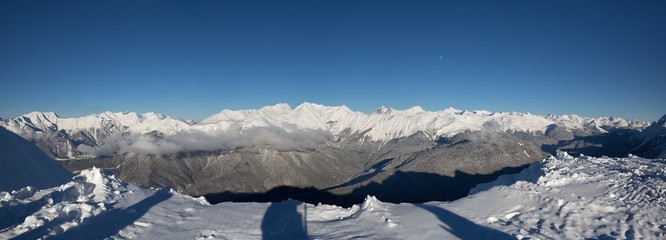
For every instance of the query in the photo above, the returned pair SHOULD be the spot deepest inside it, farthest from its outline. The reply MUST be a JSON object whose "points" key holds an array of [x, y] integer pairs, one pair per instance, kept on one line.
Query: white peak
{"points": [[42, 115], [451, 110], [306, 106], [346, 109], [570, 116], [153, 115], [410, 111], [109, 114], [416, 109], [383, 110], [407, 112], [245, 114], [343, 109], [121, 116], [224, 115], [310, 106], [482, 112], [280, 107]]}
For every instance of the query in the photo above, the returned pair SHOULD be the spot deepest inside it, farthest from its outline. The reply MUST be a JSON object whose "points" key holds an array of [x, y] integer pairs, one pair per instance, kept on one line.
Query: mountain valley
{"points": [[333, 155]]}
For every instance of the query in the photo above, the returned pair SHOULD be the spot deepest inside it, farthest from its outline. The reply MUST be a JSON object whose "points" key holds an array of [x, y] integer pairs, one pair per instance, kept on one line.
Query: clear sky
{"points": [[192, 59]]}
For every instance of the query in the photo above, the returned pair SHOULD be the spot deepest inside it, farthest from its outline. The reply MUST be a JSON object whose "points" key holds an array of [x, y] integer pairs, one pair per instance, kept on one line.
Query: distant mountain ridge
{"points": [[339, 121]]}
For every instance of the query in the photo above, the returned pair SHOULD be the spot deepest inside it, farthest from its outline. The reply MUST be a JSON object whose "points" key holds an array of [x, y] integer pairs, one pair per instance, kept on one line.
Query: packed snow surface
{"points": [[558, 198]]}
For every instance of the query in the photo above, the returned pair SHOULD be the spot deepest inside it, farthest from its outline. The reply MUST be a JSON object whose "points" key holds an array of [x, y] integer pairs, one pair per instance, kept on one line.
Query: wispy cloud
{"points": [[194, 140]]}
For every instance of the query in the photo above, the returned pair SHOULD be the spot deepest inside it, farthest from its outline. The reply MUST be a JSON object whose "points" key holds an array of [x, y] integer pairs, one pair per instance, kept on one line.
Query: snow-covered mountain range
{"points": [[385, 124], [94, 131]]}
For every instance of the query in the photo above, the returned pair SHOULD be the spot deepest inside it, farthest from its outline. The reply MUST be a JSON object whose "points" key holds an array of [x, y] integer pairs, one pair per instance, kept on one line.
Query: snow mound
{"points": [[60, 208], [582, 197], [377, 211], [94, 185]]}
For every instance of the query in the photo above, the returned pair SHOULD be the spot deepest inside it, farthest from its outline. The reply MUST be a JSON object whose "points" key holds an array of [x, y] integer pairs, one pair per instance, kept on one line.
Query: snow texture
{"points": [[562, 197]]}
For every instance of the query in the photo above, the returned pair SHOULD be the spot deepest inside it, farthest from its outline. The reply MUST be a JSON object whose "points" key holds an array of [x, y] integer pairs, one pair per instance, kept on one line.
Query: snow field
{"points": [[561, 197]]}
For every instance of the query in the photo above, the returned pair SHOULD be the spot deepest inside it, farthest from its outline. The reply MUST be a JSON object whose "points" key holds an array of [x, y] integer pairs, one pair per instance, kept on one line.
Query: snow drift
{"points": [[562, 197]]}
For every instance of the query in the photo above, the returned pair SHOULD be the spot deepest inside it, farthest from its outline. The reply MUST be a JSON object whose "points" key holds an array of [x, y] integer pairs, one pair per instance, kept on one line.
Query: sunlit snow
{"points": [[561, 197]]}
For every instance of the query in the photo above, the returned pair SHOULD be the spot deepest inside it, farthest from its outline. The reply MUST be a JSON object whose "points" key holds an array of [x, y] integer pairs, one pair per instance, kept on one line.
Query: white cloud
{"points": [[193, 140]]}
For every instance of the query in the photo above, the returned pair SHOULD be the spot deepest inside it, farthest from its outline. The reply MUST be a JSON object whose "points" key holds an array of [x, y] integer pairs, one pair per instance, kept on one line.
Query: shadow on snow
{"points": [[101, 226], [282, 221], [461, 227]]}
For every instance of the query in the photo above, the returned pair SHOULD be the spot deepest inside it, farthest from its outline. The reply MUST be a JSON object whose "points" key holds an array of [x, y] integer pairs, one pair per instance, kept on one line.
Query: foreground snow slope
{"points": [[23, 164], [557, 198], [577, 198]]}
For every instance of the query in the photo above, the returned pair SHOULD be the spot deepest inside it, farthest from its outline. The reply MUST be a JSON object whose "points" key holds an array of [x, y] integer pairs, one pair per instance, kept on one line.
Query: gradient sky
{"points": [[192, 59]]}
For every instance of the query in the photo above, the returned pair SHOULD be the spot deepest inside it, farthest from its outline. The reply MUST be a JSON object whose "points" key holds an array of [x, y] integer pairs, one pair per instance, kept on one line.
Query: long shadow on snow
{"points": [[282, 221], [410, 187], [463, 228], [11, 216], [104, 225]]}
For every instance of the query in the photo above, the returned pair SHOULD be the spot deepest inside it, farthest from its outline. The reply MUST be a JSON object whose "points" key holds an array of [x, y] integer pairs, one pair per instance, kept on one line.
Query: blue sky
{"points": [[194, 58]]}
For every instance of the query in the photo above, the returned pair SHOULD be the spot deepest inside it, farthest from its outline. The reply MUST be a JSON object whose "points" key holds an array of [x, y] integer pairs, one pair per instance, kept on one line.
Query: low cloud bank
{"points": [[487, 133], [195, 140]]}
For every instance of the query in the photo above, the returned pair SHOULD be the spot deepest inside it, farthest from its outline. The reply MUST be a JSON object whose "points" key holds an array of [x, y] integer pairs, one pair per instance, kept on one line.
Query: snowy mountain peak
{"points": [[407, 112], [451, 110], [383, 110], [42, 115], [312, 108], [483, 112], [119, 116], [344, 108], [46, 119], [152, 115], [279, 108], [415, 109]]}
